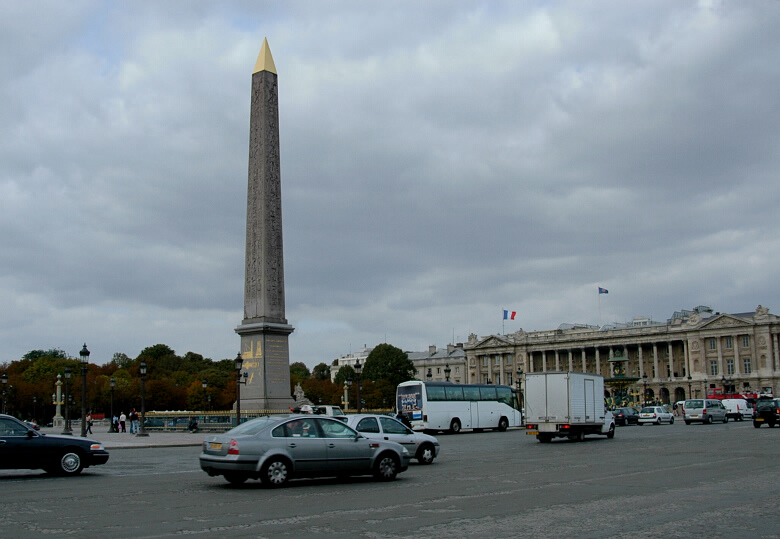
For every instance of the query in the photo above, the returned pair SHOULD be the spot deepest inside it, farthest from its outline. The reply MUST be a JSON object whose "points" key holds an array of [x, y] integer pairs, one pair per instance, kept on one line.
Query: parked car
{"points": [[275, 449], [32, 424], [704, 411], [626, 416], [655, 415], [421, 446], [22, 447], [766, 411]]}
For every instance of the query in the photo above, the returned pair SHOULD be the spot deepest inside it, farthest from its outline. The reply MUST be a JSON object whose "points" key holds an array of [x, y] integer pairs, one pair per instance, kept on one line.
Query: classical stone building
{"points": [[694, 353], [433, 364]]}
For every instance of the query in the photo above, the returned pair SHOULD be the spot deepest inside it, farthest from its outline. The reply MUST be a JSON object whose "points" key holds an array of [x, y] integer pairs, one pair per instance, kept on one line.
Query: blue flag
{"points": [[603, 291]]}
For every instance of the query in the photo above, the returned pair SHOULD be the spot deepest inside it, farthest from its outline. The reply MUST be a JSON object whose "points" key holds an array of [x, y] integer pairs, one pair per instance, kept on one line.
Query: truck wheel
{"points": [[503, 424], [544, 438], [611, 432], [757, 424], [455, 426]]}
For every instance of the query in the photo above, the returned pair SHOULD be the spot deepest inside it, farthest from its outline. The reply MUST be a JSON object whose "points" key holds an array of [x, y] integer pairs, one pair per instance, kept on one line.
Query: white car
{"points": [[421, 446], [655, 415]]}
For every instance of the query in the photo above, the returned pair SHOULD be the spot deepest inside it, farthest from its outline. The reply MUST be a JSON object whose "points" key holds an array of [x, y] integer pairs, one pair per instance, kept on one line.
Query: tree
{"points": [[344, 372], [300, 370], [386, 362], [321, 372]]}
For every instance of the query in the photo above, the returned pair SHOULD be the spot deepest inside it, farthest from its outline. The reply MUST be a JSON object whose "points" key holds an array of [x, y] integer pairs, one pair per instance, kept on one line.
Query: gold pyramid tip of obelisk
{"points": [[265, 62]]}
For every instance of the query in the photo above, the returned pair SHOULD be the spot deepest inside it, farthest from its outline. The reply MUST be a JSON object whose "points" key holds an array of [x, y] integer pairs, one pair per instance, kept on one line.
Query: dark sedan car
{"points": [[766, 412], [626, 416], [21, 447]]}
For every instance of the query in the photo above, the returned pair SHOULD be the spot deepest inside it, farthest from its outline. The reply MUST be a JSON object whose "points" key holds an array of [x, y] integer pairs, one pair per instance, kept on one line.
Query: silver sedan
{"points": [[655, 415], [278, 448], [421, 446]]}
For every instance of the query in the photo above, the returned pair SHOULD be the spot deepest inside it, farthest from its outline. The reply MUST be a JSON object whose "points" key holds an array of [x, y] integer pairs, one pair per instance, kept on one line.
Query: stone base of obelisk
{"points": [[266, 355]]}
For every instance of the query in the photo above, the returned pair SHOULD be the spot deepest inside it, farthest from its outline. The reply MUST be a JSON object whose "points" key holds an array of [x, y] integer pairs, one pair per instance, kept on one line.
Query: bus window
{"points": [[487, 393], [471, 393], [435, 393], [504, 395], [454, 393]]}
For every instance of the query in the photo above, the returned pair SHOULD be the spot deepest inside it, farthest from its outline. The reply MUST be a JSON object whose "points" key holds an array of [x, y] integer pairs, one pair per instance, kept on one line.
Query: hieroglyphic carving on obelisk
{"points": [[264, 331]]}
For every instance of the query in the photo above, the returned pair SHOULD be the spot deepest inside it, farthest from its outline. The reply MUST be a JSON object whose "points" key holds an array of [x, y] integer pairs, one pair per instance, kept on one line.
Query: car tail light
{"points": [[530, 427], [233, 449], [564, 427], [425, 417], [704, 410]]}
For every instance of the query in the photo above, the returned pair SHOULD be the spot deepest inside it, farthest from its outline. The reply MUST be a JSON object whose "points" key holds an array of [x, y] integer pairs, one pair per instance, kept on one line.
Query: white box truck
{"points": [[566, 405]]}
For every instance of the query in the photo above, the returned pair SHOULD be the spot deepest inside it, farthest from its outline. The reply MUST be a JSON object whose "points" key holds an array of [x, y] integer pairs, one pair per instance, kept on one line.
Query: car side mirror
{"points": [[30, 433]]}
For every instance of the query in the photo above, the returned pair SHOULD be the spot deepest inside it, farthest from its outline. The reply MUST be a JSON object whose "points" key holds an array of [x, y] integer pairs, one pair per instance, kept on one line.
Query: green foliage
{"points": [[52, 353], [321, 372], [345, 372], [386, 362], [121, 361], [299, 370]]}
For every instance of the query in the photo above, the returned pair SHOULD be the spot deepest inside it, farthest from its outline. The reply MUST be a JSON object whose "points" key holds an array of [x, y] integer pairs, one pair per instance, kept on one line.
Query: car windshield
{"points": [[694, 404], [252, 427], [648, 410]]}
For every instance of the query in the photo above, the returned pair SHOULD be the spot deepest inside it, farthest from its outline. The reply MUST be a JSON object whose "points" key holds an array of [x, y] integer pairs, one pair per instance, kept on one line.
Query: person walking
{"points": [[89, 422], [115, 424], [134, 425], [122, 422]]}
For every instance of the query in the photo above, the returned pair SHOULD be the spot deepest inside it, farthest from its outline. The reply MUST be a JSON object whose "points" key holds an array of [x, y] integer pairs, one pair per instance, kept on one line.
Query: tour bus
{"points": [[452, 407]]}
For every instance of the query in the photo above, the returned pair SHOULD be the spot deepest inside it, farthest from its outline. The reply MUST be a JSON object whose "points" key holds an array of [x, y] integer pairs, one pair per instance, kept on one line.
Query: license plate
{"points": [[214, 446], [532, 432], [694, 416], [759, 419]]}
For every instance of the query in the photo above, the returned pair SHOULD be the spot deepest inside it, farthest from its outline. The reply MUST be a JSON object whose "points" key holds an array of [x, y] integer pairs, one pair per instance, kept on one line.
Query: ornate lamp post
{"points": [[358, 370], [142, 372], [447, 371], [84, 356], [689, 386], [644, 383], [520, 387], [67, 430], [35, 403], [723, 385], [205, 384], [112, 383], [4, 379], [239, 362], [209, 399], [429, 376], [347, 385]]}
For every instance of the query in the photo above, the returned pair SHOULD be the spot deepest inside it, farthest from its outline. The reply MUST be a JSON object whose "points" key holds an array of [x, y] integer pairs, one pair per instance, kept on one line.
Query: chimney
{"points": [[432, 350]]}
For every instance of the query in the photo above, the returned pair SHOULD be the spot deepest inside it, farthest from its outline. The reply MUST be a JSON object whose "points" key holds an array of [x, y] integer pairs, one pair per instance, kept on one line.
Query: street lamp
{"points": [[67, 430], [723, 385], [689, 386], [112, 383], [520, 387], [84, 356], [644, 383], [429, 376], [347, 386], [35, 402], [142, 372], [447, 371], [238, 363], [358, 370], [205, 384], [4, 379], [209, 399]]}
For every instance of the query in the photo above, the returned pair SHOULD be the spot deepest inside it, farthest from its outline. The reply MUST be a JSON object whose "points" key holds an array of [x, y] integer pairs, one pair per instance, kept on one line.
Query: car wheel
{"points": [[425, 454], [658, 422], [671, 421], [235, 478], [386, 467], [757, 424], [455, 426], [687, 422], [503, 424], [725, 419], [708, 420], [71, 463], [276, 472], [611, 431]]}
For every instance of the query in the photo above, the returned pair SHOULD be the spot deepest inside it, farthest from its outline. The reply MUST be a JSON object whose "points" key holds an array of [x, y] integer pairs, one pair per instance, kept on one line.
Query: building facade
{"points": [[433, 365], [693, 354]]}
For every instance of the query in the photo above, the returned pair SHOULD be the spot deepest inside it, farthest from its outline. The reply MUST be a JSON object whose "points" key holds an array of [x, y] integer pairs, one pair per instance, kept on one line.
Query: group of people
{"points": [[120, 422]]}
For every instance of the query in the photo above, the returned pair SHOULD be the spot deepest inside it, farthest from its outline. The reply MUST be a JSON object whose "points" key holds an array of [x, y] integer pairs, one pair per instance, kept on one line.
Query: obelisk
{"points": [[264, 330]]}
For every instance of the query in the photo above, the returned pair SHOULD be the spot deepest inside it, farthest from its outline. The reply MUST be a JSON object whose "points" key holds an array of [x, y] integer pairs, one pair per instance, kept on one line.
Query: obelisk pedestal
{"points": [[264, 331]]}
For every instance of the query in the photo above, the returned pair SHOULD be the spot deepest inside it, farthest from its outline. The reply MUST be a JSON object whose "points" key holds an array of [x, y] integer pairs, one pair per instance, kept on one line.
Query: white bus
{"points": [[452, 407]]}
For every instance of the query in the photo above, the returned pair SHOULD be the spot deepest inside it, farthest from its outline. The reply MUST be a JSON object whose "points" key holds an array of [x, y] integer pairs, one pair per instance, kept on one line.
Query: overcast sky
{"points": [[441, 161]]}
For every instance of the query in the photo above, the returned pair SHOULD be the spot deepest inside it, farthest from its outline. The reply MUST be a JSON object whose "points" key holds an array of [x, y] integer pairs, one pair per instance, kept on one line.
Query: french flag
{"points": [[509, 315]]}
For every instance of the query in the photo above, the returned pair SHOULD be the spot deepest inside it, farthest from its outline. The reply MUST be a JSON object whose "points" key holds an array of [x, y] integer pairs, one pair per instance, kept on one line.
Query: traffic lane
{"points": [[482, 483]]}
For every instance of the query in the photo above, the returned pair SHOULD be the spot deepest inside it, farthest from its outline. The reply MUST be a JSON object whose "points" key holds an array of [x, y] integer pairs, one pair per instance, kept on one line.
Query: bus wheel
{"points": [[455, 426], [503, 424]]}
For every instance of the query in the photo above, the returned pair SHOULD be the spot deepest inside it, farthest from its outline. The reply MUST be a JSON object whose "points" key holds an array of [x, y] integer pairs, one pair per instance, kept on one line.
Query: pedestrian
{"points": [[115, 424], [133, 417], [122, 420], [89, 421]]}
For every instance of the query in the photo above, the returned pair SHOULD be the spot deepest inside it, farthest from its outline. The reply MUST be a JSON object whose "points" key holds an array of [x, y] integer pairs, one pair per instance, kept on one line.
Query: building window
{"points": [[713, 344], [729, 344], [713, 367], [746, 363], [438, 370], [485, 361], [457, 370], [509, 359], [729, 366], [498, 360], [745, 341]]}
